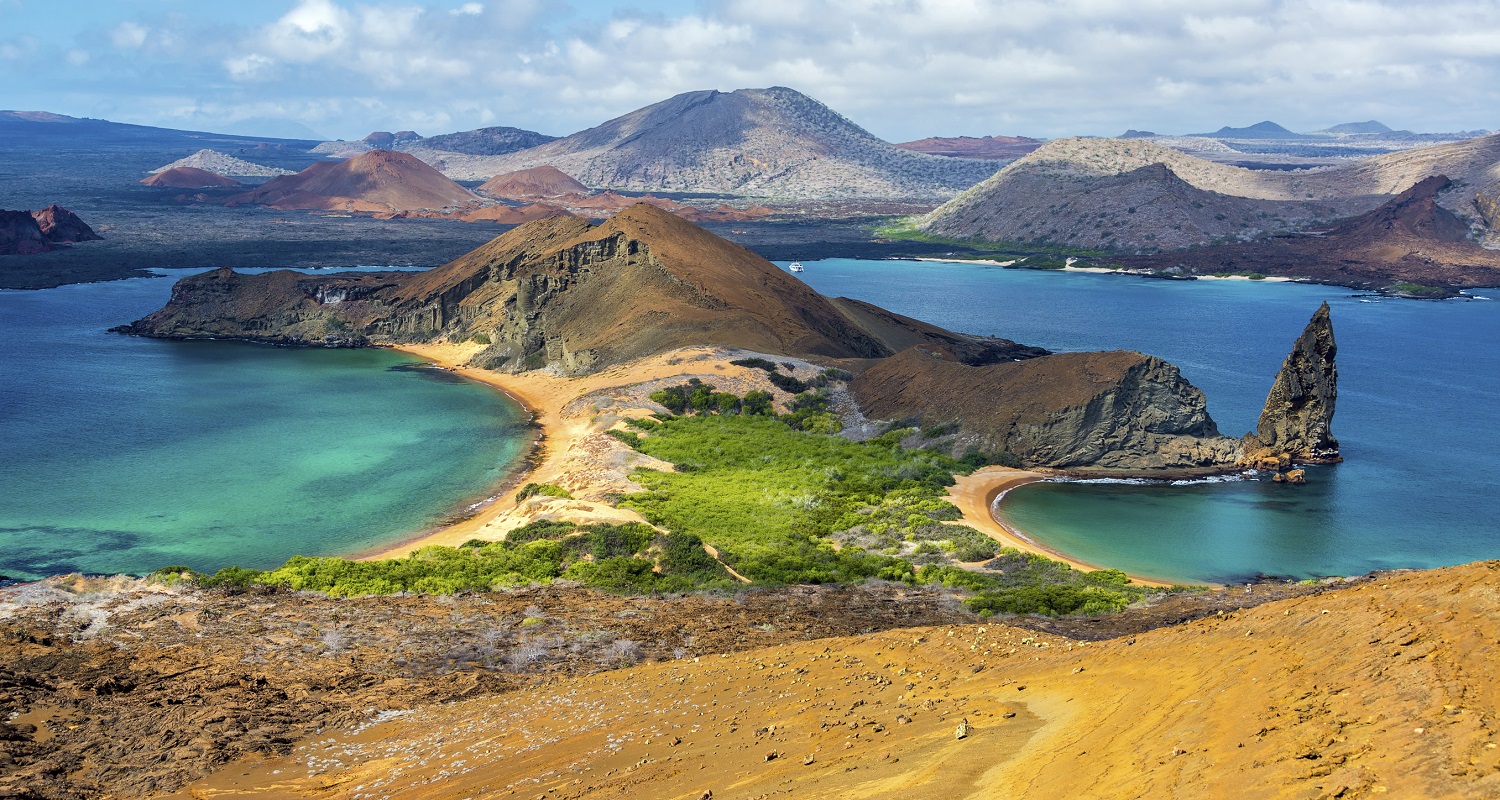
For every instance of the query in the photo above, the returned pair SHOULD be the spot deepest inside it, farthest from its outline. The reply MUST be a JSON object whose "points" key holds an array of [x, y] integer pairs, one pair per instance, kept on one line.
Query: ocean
{"points": [[123, 454], [1419, 387]]}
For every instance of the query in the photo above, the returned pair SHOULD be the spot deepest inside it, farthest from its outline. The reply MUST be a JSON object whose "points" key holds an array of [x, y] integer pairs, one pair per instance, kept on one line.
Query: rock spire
{"points": [[1294, 426]]}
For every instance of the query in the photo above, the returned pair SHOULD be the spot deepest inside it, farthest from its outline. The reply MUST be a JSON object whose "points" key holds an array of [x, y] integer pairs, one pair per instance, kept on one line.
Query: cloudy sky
{"points": [[903, 69]]}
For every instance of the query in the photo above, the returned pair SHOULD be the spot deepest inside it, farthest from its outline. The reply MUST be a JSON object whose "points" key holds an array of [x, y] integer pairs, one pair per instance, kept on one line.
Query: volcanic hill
{"points": [[772, 142], [377, 181], [576, 298], [531, 184], [188, 178], [1411, 238], [220, 164], [30, 232], [556, 292]]}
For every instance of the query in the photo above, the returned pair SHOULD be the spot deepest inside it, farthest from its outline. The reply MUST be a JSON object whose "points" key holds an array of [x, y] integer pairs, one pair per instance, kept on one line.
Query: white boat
{"points": [[795, 266]]}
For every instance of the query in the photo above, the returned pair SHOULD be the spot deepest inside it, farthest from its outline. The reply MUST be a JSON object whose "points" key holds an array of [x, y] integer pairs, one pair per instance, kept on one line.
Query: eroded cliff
{"points": [[1116, 410]]}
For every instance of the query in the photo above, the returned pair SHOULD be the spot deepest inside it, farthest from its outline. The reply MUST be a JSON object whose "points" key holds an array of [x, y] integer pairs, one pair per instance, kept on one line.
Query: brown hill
{"points": [[31, 232], [1000, 148], [1385, 689], [377, 181], [557, 292], [59, 225], [1411, 238], [188, 178], [533, 183], [1114, 410]]}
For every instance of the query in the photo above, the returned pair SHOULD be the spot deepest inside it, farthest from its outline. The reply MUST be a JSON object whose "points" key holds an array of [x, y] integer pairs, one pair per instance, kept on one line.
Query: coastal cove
{"points": [[1416, 380], [128, 454]]}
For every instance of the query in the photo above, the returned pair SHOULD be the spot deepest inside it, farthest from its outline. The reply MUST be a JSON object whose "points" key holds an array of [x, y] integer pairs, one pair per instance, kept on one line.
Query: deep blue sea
{"points": [[1418, 416], [122, 454]]}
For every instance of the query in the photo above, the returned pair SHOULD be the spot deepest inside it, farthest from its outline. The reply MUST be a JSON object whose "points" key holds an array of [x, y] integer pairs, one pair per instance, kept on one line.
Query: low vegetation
{"points": [[543, 489], [630, 558], [778, 498]]}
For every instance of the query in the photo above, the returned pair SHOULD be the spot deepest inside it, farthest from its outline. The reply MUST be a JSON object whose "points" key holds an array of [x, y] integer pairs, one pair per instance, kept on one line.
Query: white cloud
{"points": [[902, 68], [128, 35]]}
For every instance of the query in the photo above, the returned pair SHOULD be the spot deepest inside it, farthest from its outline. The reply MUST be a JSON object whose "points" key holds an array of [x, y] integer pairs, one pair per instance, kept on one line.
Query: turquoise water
{"points": [[1419, 392], [124, 454]]}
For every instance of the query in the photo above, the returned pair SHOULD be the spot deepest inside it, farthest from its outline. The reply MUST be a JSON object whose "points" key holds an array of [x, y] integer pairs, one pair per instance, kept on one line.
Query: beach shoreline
{"points": [[975, 495], [567, 451]]}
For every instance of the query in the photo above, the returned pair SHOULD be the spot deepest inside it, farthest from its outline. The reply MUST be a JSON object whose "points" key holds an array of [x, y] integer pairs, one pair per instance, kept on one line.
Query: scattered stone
{"points": [[963, 730]]}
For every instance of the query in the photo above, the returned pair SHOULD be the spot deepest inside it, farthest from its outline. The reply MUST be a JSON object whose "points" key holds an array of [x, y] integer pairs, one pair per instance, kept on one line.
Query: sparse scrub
{"points": [[543, 489]]}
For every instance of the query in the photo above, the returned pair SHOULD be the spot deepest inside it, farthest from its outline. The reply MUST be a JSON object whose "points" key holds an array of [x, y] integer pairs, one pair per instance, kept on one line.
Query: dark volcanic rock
{"points": [[61, 225], [1299, 410], [29, 232], [1119, 410], [20, 234]]}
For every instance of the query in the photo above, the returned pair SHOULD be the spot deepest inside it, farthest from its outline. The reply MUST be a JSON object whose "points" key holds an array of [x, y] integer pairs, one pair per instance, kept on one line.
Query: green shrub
{"points": [[544, 489], [480, 337]]}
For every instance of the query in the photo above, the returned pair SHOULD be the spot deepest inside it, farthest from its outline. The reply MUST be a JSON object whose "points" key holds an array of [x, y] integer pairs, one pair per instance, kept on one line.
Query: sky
{"points": [[902, 69]]}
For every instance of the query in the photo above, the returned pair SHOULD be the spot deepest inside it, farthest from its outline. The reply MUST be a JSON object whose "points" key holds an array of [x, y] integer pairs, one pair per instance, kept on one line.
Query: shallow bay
{"points": [[124, 454], [1418, 384]]}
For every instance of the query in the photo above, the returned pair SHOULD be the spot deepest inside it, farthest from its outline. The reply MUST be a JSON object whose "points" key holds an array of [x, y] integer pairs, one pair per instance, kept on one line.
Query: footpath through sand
{"points": [[1382, 689]]}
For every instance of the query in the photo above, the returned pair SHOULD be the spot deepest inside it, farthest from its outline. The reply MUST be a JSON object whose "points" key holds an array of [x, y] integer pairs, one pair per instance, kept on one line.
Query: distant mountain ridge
{"points": [[1370, 126], [1097, 193], [479, 142], [992, 147], [772, 142], [1261, 130]]}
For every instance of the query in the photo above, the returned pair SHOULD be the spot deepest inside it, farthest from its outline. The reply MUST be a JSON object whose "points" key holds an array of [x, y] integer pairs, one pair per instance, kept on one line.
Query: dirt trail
{"points": [[1386, 688]]}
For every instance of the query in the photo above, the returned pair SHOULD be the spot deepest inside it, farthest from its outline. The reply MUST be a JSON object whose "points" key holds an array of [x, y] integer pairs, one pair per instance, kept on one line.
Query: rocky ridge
{"points": [[1117, 410], [772, 142], [220, 164], [1049, 195], [1412, 238]]}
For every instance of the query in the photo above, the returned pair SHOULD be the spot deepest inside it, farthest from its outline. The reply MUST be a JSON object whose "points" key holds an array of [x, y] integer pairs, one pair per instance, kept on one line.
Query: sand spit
{"points": [[575, 452], [1379, 689]]}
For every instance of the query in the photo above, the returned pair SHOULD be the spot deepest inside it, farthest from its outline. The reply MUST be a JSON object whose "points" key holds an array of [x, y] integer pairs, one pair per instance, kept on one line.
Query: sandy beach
{"points": [[574, 451]]}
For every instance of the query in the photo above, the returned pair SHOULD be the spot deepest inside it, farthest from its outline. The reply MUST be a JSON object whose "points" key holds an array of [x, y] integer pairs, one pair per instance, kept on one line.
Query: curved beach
{"points": [[975, 495], [572, 447]]}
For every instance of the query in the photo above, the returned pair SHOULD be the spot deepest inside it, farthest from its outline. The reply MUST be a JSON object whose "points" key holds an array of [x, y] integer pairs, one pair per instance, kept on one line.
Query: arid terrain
{"points": [[127, 688]]}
